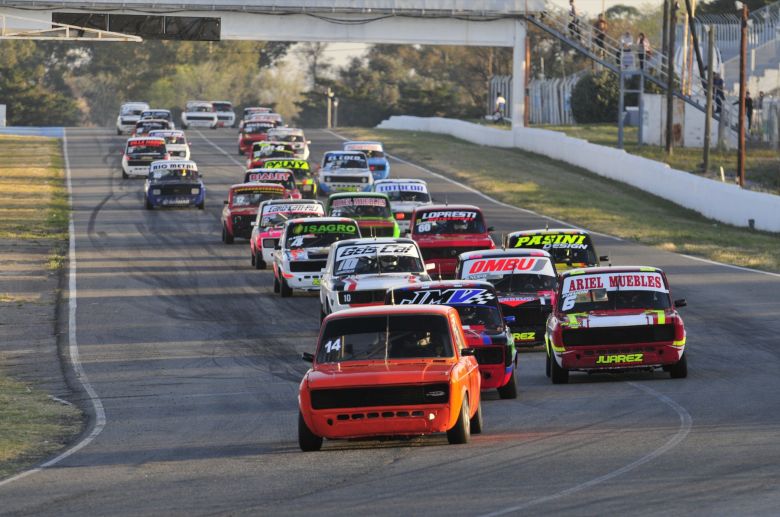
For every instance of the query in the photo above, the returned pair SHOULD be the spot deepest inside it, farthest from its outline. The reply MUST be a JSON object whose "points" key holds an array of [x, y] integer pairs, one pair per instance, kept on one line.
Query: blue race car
{"points": [[377, 161], [173, 183]]}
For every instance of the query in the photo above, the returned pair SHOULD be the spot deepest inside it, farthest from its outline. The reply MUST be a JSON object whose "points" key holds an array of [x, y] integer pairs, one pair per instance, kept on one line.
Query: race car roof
{"points": [[446, 284], [610, 269], [548, 231], [381, 310], [258, 186], [512, 252], [373, 240], [150, 121], [429, 208], [339, 195], [166, 132], [173, 164], [287, 130]]}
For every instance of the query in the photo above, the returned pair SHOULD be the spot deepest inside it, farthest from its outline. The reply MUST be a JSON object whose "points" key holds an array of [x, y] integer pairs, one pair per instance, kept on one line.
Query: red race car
{"points": [[252, 132], [283, 177], [241, 208], [445, 231], [615, 318], [269, 224], [390, 371]]}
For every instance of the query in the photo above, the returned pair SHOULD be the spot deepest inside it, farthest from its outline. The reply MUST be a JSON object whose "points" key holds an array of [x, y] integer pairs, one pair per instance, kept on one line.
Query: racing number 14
{"points": [[333, 345]]}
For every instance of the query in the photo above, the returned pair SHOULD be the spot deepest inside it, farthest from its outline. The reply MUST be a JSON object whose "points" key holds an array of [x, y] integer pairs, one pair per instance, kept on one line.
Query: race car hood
{"points": [[157, 183], [380, 373], [307, 254], [248, 210], [383, 281], [516, 299], [453, 240], [619, 318], [373, 222]]}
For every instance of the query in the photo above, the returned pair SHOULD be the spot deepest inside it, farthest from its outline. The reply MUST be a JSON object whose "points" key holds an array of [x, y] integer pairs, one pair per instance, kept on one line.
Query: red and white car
{"points": [[268, 226], [241, 207], [615, 318], [283, 177]]}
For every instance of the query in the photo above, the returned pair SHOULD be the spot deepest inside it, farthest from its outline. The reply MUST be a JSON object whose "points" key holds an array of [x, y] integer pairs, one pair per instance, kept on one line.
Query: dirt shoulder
{"points": [[572, 194], [33, 240]]}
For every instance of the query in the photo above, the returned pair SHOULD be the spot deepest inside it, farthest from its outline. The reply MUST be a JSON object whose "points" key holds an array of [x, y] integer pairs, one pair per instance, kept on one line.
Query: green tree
{"points": [[594, 98]]}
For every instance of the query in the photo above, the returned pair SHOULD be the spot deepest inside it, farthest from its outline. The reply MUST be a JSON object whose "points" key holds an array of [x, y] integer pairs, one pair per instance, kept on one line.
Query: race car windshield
{"points": [[145, 127], [366, 338], [564, 248], [132, 112], [156, 114], [345, 161], [174, 175], [279, 218], [202, 109], [223, 106], [257, 128], [479, 315], [377, 264], [252, 198], [155, 149], [408, 196], [318, 240], [524, 283], [174, 139], [604, 300], [373, 154], [449, 222], [360, 207]]}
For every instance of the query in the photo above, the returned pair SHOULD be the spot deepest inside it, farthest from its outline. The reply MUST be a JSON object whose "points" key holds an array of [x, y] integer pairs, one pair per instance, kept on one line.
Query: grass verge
{"points": [[559, 190], [34, 210], [762, 166], [32, 425]]}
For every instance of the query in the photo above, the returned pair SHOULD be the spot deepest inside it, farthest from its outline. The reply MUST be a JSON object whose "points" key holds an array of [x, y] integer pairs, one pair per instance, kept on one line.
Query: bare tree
{"points": [[316, 59]]}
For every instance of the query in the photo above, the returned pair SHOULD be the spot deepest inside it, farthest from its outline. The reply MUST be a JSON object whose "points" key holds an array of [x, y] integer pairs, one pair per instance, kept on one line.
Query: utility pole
{"points": [[742, 88], [329, 121], [708, 110], [665, 35], [670, 79]]}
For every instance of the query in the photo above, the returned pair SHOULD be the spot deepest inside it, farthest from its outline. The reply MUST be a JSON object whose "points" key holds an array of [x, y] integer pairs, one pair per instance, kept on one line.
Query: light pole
{"points": [[335, 112], [742, 88], [329, 121]]}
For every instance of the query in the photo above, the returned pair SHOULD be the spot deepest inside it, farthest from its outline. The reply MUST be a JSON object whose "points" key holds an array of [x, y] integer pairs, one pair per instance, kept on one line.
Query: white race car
{"points": [[405, 195], [129, 114], [199, 114], [303, 250], [140, 152], [359, 272], [175, 142], [345, 171], [225, 114], [294, 136]]}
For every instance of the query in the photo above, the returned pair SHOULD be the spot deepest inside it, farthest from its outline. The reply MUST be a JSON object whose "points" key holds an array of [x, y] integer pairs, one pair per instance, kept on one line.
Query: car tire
{"points": [[124, 174], [184, 126], [323, 314], [679, 370], [148, 204], [476, 423], [118, 131], [201, 205], [259, 263], [227, 238], [557, 374], [276, 284], [461, 431], [307, 440], [285, 289], [509, 390]]}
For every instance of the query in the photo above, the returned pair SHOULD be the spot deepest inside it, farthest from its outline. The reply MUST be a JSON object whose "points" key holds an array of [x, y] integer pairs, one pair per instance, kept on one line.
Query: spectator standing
{"points": [[643, 50], [601, 32], [626, 42], [717, 87], [749, 109], [500, 107], [574, 29]]}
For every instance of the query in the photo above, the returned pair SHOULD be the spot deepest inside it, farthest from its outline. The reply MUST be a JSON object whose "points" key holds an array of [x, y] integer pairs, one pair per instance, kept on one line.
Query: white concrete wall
{"points": [[722, 202]]}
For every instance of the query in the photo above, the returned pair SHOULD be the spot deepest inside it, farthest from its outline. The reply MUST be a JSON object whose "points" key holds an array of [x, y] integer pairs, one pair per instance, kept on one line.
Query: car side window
{"points": [[457, 333]]}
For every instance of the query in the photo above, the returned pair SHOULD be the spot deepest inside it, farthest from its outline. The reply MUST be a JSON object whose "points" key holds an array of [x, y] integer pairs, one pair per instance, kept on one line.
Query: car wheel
{"points": [[259, 263], [252, 258], [307, 440], [557, 374], [679, 370], [118, 131], [285, 289], [276, 284], [461, 431], [509, 390], [184, 126], [147, 204], [201, 205], [227, 237], [323, 314], [547, 366], [476, 421], [124, 174]]}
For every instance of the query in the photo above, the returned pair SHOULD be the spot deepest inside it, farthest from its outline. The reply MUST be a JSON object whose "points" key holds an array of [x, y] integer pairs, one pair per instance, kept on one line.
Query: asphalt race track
{"points": [[197, 364]]}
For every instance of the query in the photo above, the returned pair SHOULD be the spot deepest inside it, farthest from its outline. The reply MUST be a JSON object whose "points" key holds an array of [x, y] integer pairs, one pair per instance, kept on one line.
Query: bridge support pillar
{"points": [[518, 75]]}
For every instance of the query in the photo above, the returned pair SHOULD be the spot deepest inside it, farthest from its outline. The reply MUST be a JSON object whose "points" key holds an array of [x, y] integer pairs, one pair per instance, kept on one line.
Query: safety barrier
{"points": [[722, 202]]}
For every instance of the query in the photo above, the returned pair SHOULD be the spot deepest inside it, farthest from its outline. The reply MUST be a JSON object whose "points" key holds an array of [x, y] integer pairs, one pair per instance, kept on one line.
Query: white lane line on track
{"points": [[501, 203], [73, 348], [686, 422], [218, 148]]}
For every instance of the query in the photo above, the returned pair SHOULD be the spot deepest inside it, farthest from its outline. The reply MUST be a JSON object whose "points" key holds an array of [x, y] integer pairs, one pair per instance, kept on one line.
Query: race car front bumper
{"points": [[137, 170], [176, 200], [331, 187], [378, 421], [309, 281]]}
